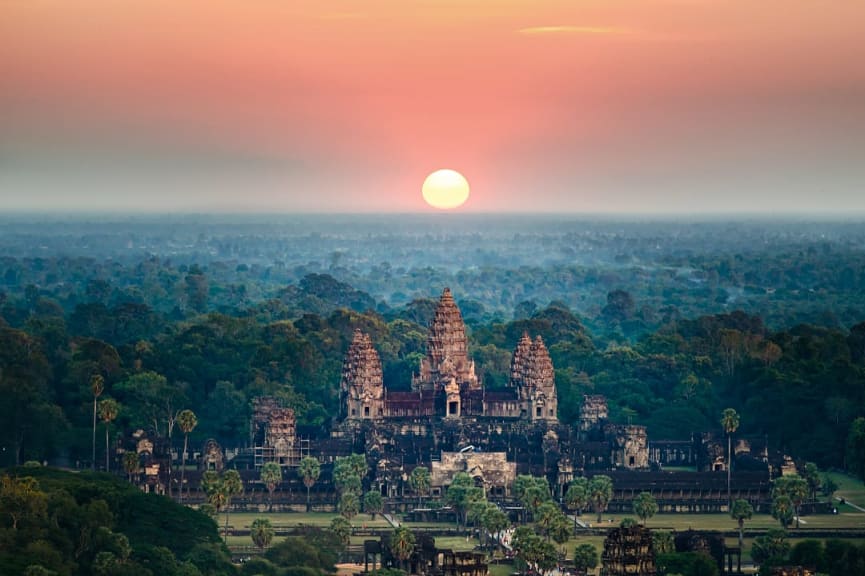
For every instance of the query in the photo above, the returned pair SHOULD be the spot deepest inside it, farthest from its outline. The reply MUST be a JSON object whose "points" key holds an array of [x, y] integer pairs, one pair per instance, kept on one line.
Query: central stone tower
{"points": [[447, 359]]}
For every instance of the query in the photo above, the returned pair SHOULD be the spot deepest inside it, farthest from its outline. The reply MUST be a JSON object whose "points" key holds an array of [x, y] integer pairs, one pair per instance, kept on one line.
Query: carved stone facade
{"points": [[362, 386], [447, 386], [593, 412], [274, 433], [488, 469], [447, 351], [630, 446], [628, 552]]}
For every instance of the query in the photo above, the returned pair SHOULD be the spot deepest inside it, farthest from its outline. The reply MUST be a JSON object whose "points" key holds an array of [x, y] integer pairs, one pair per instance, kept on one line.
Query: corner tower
{"points": [[362, 385], [533, 376]]}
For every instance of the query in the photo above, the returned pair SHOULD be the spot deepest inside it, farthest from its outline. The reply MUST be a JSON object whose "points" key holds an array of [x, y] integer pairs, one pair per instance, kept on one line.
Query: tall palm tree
{"points": [[420, 483], [309, 470], [402, 544], [261, 532], [271, 476], [600, 493], [231, 485], [730, 422], [108, 410], [187, 422], [97, 386], [577, 497], [741, 511]]}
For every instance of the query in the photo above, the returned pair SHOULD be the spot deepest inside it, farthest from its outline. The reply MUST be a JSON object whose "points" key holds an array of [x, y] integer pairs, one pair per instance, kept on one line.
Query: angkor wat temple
{"points": [[447, 420], [449, 410]]}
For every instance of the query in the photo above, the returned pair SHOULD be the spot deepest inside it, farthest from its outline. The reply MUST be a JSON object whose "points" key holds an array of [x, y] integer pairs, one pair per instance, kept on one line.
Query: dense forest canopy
{"points": [[672, 321]]}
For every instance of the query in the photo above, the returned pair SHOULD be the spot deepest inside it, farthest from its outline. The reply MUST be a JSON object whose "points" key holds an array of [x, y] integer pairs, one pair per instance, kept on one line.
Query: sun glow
{"points": [[445, 189]]}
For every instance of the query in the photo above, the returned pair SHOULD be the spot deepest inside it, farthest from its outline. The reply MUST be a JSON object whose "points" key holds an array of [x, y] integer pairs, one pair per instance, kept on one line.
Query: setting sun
{"points": [[445, 189]]}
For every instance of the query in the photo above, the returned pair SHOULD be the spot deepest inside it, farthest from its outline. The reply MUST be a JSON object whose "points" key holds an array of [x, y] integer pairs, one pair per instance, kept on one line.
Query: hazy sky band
{"points": [[582, 106]]}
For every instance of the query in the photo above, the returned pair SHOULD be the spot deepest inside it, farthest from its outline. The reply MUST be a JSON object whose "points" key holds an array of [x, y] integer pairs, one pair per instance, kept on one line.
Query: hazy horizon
{"points": [[608, 106]]}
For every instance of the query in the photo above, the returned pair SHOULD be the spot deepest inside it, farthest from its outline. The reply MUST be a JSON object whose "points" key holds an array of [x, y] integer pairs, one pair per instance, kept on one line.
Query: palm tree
{"points": [[577, 497], [730, 422], [231, 485], [585, 558], [271, 475], [187, 422], [261, 532], [97, 386], [419, 480], [740, 512], [793, 486], [402, 544], [130, 464], [309, 470], [373, 503], [349, 505], [108, 410], [600, 493], [645, 506]]}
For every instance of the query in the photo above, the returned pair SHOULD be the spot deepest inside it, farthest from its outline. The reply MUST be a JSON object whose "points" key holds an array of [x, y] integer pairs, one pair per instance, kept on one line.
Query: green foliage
{"points": [[349, 505], [687, 564], [402, 543], [462, 493], [419, 480], [585, 558], [82, 523], [856, 448], [600, 492], [373, 503], [771, 547], [312, 549], [341, 528], [645, 506], [261, 532]]}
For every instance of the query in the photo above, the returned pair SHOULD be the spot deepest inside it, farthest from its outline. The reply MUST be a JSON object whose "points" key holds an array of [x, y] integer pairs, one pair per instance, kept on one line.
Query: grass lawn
{"points": [[849, 488], [681, 522]]}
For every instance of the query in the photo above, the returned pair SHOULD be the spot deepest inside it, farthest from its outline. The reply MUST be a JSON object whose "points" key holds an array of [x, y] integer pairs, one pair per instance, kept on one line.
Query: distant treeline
{"points": [[211, 347]]}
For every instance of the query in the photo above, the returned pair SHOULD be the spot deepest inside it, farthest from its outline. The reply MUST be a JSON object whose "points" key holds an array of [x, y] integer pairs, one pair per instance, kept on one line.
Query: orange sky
{"points": [[594, 105]]}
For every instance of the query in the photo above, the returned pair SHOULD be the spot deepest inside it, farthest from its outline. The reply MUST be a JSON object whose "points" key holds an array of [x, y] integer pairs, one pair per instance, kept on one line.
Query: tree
{"points": [[645, 506], [187, 422], [108, 411], [856, 448], [782, 509], [373, 503], [271, 476], [462, 493], [585, 558], [232, 485], [345, 476], [561, 531], [771, 547], [546, 516], [494, 521], [342, 529], [741, 511], [309, 470], [97, 386], [600, 493], [730, 423], [419, 480], [131, 464], [828, 486], [795, 488], [21, 498], [261, 532], [811, 474], [577, 497], [217, 495], [349, 505], [402, 544]]}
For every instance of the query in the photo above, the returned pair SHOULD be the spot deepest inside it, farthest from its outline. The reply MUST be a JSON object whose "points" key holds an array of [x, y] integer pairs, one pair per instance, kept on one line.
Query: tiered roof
{"points": [[361, 368]]}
